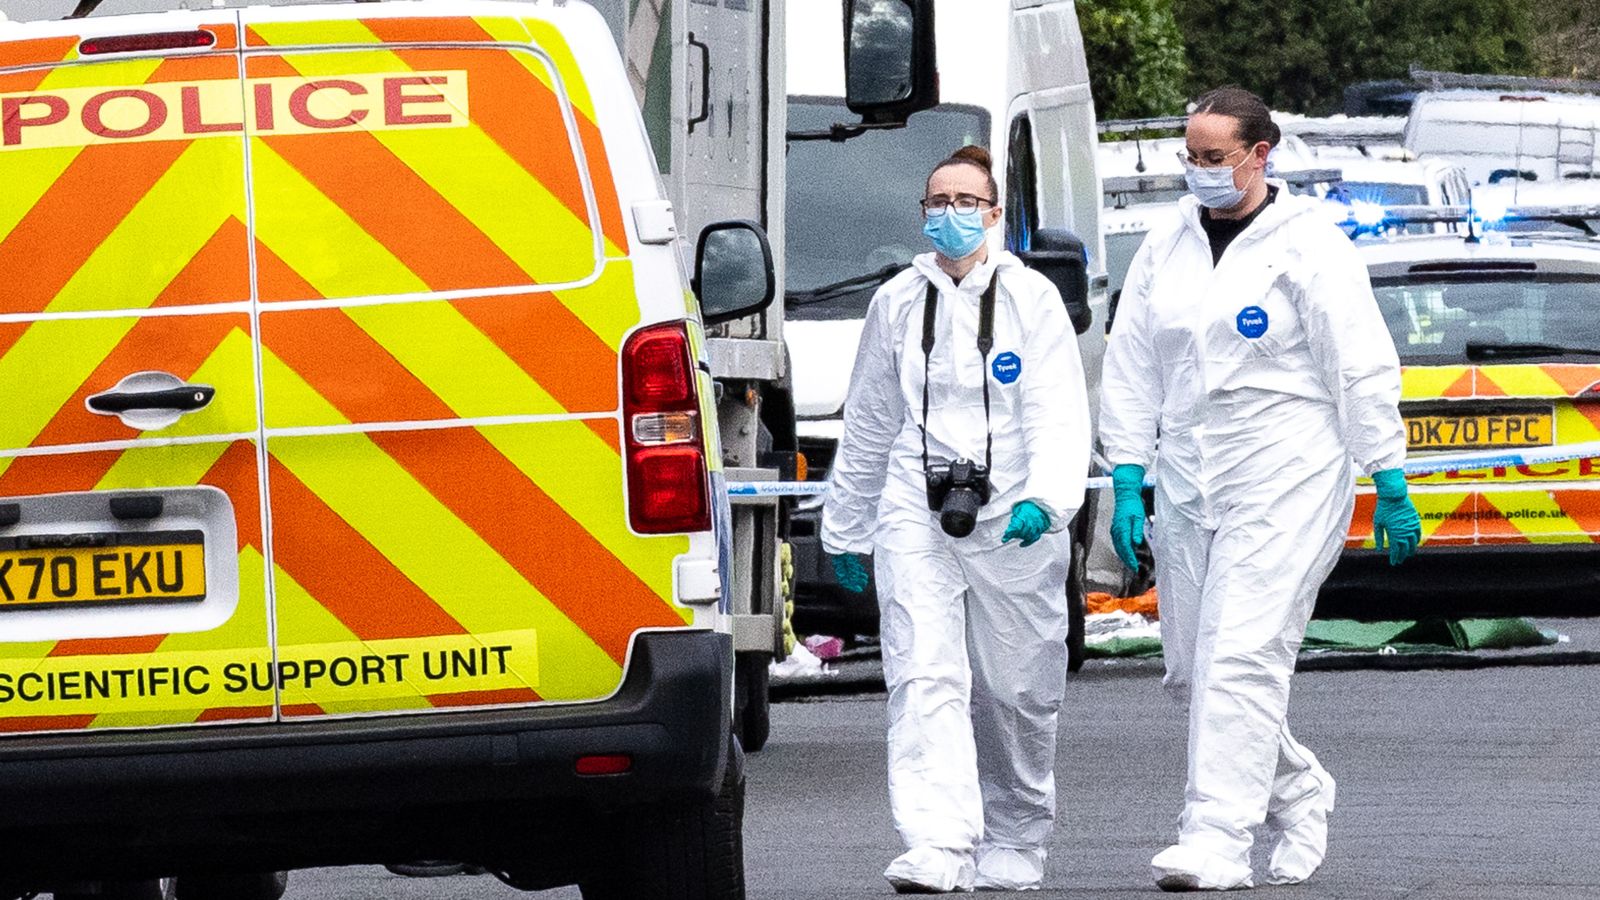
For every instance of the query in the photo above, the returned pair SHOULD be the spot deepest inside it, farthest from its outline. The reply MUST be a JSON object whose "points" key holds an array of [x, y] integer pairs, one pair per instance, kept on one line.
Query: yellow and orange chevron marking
{"points": [[1551, 380], [1541, 504], [446, 485], [230, 467]]}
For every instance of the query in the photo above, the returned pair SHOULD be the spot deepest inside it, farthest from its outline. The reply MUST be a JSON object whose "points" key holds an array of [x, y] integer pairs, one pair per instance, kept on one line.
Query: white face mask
{"points": [[1214, 187]]}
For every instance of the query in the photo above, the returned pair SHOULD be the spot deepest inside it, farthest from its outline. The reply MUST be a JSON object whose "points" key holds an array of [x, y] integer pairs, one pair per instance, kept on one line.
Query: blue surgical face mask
{"points": [[1214, 187], [956, 235]]}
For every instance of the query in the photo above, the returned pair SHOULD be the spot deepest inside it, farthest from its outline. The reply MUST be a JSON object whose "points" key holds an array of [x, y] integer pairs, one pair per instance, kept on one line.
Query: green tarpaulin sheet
{"points": [[1425, 636]]}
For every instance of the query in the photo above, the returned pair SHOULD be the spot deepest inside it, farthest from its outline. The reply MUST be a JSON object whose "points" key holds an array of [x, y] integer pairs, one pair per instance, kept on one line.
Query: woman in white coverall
{"points": [[980, 617], [1248, 339]]}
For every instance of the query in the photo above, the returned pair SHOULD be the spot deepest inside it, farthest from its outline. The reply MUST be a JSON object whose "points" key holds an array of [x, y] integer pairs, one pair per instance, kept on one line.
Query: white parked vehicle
{"points": [[1013, 79], [1402, 182], [1344, 137], [1499, 135]]}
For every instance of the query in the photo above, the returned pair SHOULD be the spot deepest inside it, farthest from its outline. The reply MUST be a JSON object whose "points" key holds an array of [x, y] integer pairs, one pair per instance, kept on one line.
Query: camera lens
{"points": [[960, 513]]}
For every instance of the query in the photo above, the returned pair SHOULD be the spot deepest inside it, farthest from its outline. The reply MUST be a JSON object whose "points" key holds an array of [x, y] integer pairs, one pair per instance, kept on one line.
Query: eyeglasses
{"points": [[1212, 158], [963, 204]]}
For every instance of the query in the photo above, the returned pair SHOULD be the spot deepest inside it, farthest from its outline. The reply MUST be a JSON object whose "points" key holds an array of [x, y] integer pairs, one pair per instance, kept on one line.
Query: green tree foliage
{"points": [[1300, 55], [1485, 36], [1569, 39], [1136, 59]]}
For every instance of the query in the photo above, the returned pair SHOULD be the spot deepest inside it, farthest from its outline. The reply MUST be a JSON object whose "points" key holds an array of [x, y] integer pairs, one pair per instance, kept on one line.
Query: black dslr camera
{"points": [[956, 491]]}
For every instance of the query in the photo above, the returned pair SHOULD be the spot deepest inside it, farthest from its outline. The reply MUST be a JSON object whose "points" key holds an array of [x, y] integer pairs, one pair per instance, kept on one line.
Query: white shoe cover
{"points": [[1009, 869], [1180, 868], [1299, 848], [930, 870]]}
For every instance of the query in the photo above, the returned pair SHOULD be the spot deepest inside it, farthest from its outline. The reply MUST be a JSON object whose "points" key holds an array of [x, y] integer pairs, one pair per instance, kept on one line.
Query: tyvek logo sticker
{"points": [[1007, 367], [1252, 322]]}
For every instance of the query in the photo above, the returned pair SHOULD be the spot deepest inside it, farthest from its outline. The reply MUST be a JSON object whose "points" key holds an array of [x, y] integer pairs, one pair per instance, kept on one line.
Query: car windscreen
{"points": [[1385, 193], [852, 207], [1434, 318]]}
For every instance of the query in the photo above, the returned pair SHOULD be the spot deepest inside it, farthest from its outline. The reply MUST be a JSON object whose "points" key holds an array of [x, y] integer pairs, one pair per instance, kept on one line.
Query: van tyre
{"points": [[752, 722], [681, 852], [233, 886]]}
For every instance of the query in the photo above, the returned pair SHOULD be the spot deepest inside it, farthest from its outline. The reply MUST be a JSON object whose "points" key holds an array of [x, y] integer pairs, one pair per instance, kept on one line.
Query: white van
{"points": [[1013, 79], [1499, 135]]}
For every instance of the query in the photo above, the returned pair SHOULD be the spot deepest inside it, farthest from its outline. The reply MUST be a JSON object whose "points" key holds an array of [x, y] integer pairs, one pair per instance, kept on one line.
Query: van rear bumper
{"points": [[484, 786]]}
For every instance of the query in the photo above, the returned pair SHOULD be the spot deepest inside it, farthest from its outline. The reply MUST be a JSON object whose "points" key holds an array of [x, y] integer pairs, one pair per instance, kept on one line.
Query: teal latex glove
{"points": [[850, 570], [1395, 521], [1028, 522], [1127, 520]]}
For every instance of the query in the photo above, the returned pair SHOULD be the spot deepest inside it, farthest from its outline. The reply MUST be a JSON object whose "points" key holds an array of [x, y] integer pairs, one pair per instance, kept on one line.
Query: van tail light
{"points": [[668, 483]]}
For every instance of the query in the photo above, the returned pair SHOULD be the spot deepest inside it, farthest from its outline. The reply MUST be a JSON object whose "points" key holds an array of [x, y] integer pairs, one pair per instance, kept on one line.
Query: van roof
{"points": [[1502, 107]]}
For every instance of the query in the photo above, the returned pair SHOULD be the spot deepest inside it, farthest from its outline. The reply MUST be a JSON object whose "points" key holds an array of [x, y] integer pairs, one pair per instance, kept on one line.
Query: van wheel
{"points": [[233, 886], [1077, 605], [753, 708], [681, 852], [144, 889]]}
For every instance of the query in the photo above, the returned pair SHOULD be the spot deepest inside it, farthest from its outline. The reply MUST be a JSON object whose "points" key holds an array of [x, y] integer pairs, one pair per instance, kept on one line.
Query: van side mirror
{"points": [[1061, 257], [733, 272], [890, 66]]}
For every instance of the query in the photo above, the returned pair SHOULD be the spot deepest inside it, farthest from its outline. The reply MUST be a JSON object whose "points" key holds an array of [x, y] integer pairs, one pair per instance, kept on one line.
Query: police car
{"points": [[1499, 343]]}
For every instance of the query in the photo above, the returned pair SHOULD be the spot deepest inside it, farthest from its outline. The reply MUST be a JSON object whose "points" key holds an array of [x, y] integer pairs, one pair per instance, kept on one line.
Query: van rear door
{"points": [[444, 289], [132, 576]]}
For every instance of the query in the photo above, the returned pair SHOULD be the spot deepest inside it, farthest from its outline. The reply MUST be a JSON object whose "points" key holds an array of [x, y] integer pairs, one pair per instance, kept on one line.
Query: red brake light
{"points": [[146, 43], [603, 764], [667, 490], [659, 370], [668, 481]]}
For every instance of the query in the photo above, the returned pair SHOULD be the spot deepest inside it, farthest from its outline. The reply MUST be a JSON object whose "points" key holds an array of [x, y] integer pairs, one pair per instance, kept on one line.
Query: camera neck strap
{"points": [[930, 306]]}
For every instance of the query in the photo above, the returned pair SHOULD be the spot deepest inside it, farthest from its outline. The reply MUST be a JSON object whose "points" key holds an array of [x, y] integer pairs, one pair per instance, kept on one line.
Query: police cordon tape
{"points": [[1426, 465]]}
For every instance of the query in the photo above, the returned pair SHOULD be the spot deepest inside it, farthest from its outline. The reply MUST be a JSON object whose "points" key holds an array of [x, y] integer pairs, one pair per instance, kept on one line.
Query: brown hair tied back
{"points": [[977, 157], [1253, 116]]}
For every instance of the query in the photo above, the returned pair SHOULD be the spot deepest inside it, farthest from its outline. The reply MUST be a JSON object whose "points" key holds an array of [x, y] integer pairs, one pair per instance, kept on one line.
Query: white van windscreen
{"points": [[852, 207]]}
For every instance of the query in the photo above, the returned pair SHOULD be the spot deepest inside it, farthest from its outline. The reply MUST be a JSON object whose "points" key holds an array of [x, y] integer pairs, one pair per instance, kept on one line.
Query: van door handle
{"points": [[705, 82], [186, 399], [150, 401]]}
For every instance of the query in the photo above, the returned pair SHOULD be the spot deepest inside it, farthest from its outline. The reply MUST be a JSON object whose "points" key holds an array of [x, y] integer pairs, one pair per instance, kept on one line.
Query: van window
{"points": [[115, 196], [412, 171], [1022, 186], [852, 207]]}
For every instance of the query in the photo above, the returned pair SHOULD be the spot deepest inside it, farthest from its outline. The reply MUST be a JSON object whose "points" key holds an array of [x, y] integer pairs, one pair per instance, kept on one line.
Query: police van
{"points": [[361, 495]]}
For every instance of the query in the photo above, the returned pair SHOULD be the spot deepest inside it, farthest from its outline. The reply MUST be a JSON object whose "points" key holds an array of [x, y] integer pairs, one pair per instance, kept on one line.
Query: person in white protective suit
{"points": [[973, 628], [1247, 337]]}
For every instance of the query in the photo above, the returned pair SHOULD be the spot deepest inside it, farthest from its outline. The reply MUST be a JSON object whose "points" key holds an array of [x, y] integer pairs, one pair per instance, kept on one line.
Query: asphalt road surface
{"points": [[1479, 784]]}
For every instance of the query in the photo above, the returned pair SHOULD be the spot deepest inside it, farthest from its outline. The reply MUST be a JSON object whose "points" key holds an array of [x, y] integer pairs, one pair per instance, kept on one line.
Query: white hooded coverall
{"points": [[1264, 376], [969, 619]]}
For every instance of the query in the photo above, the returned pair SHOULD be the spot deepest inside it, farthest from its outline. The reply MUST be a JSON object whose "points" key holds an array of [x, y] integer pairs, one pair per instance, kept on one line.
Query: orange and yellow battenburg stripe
{"points": [[505, 538], [1540, 504]]}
